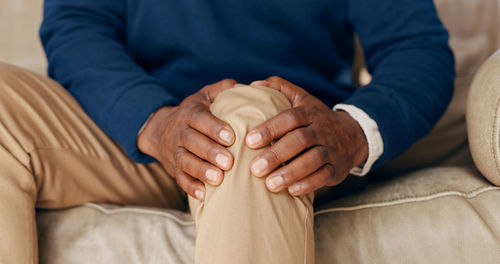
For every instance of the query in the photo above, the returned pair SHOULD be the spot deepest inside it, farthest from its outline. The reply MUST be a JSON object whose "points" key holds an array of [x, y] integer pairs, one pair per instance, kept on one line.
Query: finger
{"points": [[318, 179], [301, 167], [289, 146], [261, 83], [190, 185], [291, 91], [211, 91], [197, 168], [276, 127], [206, 149], [206, 123]]}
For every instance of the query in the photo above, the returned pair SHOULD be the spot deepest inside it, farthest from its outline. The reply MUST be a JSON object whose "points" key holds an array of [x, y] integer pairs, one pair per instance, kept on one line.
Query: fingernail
{"points": [[254, 138], [260, 83], [294, 189], [275, 182], [212, 175], [226, 135], [259, 166], [222, 160], [199, 194], [238, 85]]}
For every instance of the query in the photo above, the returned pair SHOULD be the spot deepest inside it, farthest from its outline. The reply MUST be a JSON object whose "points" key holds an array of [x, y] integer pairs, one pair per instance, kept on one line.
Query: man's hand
{"points": [[319, 145], [190, 142]]}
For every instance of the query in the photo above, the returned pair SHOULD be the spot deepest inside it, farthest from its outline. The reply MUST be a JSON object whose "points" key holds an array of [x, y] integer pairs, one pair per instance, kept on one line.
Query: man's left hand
{"points": [[319, 146]]}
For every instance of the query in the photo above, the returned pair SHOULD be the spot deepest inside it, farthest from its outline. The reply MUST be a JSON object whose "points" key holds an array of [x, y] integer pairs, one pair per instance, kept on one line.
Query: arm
{"points": [[412, 65], [407, 52], [84, 43]]}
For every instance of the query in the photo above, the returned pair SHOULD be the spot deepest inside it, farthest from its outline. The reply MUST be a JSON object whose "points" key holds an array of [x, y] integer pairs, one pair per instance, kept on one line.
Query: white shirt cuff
{"points": [[372, 134]]}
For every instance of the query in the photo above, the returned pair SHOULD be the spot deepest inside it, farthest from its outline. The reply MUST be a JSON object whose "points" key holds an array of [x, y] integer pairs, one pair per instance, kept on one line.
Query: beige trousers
{"points": [[52, 155]]}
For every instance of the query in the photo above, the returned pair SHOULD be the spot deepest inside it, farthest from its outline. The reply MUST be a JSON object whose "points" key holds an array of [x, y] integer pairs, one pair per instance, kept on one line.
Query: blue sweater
{"points": [[124, 59]]}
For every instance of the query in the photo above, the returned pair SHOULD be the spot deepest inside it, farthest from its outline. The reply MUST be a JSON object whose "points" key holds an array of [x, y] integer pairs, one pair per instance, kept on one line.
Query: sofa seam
{"points": [[435, 193], [408, 200], [493, 141], [141, 211]]}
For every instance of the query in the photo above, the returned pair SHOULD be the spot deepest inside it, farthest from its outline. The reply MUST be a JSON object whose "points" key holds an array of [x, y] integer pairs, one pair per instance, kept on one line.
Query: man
{"points": [[138, 67]]}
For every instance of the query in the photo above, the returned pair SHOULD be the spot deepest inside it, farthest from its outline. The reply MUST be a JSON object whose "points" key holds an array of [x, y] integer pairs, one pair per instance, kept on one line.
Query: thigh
{"points": [[70, 158]]}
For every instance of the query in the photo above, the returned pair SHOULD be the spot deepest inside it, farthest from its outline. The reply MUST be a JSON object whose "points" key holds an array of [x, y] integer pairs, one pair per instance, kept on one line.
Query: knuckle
{"points": [[195, 114], [215, 128], [184, 137], [228, 82], [205, 89], [288, 177], [211, 152], [267, 132], [302, 113], [273, 156], [321, 153], [330, 176], [191, 102], [178, 178], [274, 78], [292, 117], [303, 138], [200, 171], [187, 101], [329, 171], [316, 183], [306, 187], [178, 153]]}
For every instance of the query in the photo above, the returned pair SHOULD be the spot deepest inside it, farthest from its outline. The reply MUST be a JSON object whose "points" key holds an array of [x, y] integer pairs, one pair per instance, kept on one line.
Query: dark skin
{"points": [[320, 146], [190, 142]]}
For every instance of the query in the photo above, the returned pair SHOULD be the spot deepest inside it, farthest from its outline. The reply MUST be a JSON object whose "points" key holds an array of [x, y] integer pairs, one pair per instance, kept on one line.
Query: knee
{"points": [[245, 107], [235, 210]]}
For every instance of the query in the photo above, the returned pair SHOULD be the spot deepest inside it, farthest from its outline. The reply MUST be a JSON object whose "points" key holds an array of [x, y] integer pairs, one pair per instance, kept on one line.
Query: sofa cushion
{"points": [[440, 215], [110, 234]]}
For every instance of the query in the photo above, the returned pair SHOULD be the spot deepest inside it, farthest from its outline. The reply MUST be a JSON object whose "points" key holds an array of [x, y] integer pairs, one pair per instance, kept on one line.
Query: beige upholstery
{"points": [[19, 44], [104, 234], [437, 215], [441, 215], [483, 119]]}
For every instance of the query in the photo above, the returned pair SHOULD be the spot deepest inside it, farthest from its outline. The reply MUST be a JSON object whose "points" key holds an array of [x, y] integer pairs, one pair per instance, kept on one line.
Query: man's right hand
{"points": [[190, 142]]}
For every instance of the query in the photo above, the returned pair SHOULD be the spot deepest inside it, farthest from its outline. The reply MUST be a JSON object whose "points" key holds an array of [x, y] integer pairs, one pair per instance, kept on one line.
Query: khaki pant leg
{"points": [[241, 221], [52, 155]]}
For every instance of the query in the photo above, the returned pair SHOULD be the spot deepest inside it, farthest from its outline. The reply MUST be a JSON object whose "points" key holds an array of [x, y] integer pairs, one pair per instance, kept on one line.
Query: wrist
{"points": [[149, 137], [358, 144]]}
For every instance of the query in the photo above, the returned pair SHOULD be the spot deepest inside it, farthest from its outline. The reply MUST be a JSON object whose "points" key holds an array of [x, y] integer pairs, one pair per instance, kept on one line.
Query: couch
{"points": [[437, 203]]}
